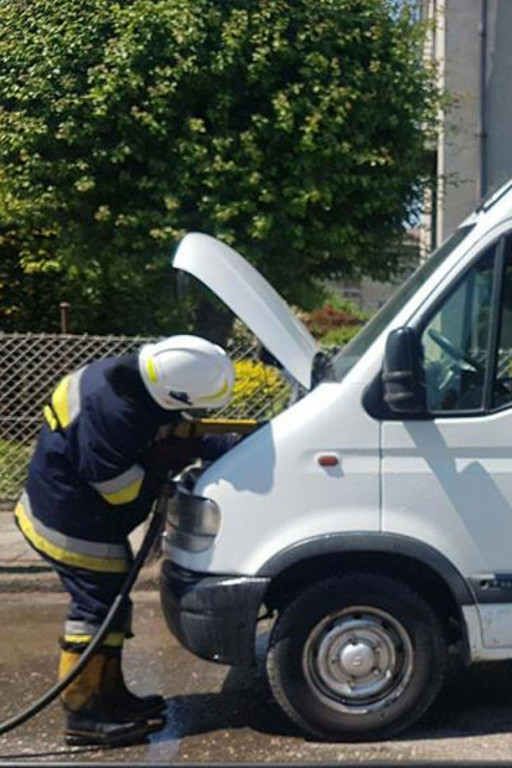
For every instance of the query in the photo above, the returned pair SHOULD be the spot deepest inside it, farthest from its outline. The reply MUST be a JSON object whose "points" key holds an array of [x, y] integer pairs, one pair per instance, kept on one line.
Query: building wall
{"points": [[499, 93], [474, 51], [369, 295], [458, 154]]}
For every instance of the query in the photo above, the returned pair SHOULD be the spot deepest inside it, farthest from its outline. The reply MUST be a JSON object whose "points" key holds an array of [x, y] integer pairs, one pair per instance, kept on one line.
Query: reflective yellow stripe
{"points": [[60, 402], [89, 562], [113, 640], [78, 638], [123, 488], [151, 371], [126, 495], [65, 401], [50, 418]]}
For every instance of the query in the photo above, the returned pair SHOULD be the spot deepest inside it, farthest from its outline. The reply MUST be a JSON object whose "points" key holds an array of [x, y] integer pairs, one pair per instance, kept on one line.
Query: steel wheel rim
{"points": [[358, 660]]}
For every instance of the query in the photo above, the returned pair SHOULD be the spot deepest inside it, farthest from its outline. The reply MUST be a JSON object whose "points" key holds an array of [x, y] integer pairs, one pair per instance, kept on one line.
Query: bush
{"points": [[282, 127], [336, 322], [14, 457], [259, 391]]}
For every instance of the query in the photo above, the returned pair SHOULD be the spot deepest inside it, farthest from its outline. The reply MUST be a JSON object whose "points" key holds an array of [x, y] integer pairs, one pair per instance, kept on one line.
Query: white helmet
{"points": [[186, 372]]}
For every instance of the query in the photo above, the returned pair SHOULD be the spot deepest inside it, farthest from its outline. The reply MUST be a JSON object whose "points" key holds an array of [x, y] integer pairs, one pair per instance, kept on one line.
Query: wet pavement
{"points": [[220, 715]]}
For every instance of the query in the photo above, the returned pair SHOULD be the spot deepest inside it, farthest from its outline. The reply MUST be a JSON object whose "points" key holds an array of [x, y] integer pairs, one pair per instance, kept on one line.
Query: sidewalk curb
{"points": [[42, 578]]}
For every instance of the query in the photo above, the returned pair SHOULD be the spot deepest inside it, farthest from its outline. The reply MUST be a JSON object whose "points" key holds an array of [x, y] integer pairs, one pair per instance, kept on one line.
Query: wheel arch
{"points": [[411, 561]]}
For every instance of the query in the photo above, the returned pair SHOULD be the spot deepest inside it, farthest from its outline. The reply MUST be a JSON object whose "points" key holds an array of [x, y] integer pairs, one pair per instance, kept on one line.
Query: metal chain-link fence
{"points": [[32, 364]]}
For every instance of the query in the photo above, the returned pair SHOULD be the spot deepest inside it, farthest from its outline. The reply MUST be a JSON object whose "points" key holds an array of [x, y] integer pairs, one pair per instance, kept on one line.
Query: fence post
{"points": [[64, 317]]}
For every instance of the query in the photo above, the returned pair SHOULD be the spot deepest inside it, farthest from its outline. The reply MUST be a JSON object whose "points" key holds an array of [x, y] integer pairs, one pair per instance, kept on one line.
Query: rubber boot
{"points": [[90, 716], [123, 699]]}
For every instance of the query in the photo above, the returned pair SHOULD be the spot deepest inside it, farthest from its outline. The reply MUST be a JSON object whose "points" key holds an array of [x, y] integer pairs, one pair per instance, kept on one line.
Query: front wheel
{"points": [[356, 657]]}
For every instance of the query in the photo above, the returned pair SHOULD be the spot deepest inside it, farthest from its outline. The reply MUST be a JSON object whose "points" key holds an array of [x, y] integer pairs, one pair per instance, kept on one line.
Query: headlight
{"points": [[192, 521]]}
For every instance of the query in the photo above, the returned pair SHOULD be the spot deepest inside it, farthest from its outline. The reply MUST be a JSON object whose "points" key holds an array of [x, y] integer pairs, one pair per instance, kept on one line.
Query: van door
{"points": [[447, 479]]}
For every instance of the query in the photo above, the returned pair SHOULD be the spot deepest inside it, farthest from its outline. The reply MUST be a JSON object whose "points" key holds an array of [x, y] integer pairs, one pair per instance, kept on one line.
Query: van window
{"points": [[344, 361], [456, 342]]}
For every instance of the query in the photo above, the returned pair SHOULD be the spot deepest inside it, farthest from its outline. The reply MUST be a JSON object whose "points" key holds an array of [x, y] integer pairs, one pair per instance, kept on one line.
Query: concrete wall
{"points": [[475, 150], [499, 92], [458, 152]]}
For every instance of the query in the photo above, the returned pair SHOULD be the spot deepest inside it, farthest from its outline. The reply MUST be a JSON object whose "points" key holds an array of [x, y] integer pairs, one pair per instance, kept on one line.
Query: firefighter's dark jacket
{"points": [[88, 477]]}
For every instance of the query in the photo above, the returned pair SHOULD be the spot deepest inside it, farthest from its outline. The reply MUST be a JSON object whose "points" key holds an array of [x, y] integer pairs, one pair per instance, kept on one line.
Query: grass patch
{"points": [[14, 458]]}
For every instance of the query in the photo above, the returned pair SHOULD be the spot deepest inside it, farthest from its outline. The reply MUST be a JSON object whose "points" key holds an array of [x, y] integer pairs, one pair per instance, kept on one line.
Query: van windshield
{"points": [[344, 361]]}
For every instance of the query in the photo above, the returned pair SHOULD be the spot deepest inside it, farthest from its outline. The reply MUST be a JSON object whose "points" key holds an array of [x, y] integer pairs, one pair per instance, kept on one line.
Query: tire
{"points": [[357, 657]]}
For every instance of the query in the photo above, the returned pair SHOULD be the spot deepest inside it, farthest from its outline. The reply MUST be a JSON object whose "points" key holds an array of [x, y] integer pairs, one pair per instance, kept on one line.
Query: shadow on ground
{"points": [[474, 702]]}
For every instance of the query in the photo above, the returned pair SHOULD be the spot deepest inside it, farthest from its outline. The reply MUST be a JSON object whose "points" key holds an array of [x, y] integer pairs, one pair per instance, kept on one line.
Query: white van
{"points": [[372, 518]]}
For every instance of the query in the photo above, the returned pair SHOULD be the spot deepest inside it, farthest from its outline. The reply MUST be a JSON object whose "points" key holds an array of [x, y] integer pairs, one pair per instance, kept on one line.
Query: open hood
{"points": [[252, 299]]}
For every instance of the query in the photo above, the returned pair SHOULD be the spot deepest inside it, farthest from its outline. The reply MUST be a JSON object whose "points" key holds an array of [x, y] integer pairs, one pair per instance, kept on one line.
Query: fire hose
{"points": [[154, 529], [187, 428]]}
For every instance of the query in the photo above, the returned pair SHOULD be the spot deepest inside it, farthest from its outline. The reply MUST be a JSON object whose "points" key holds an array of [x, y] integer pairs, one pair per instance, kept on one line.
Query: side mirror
{"points": [[402, 376]]}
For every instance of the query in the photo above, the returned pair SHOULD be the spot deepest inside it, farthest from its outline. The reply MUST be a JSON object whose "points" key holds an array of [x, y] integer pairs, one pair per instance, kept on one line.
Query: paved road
{"points": [[218, 715]]}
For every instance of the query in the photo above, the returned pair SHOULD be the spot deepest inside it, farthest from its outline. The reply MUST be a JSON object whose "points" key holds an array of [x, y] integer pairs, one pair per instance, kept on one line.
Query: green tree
{"points": [[294, 130]]}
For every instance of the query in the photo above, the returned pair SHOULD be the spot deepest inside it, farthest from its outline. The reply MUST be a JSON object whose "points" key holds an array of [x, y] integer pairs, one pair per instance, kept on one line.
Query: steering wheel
{"points": [[456, 354]]}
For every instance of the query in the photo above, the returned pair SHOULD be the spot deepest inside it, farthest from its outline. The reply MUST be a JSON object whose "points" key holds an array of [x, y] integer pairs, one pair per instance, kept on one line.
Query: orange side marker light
{"points": [[328, 460]]}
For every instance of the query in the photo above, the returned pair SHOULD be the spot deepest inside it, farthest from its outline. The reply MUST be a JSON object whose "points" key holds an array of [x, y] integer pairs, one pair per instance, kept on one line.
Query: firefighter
{"points": [[94, 475]]}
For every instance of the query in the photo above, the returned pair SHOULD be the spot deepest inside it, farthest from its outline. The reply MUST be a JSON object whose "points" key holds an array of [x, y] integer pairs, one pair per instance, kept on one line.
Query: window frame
{"points": [[498, 269]]}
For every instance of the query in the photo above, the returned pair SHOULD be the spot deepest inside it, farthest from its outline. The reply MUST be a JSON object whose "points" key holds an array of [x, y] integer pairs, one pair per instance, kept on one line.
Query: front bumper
{"points": [[213, 616]]}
